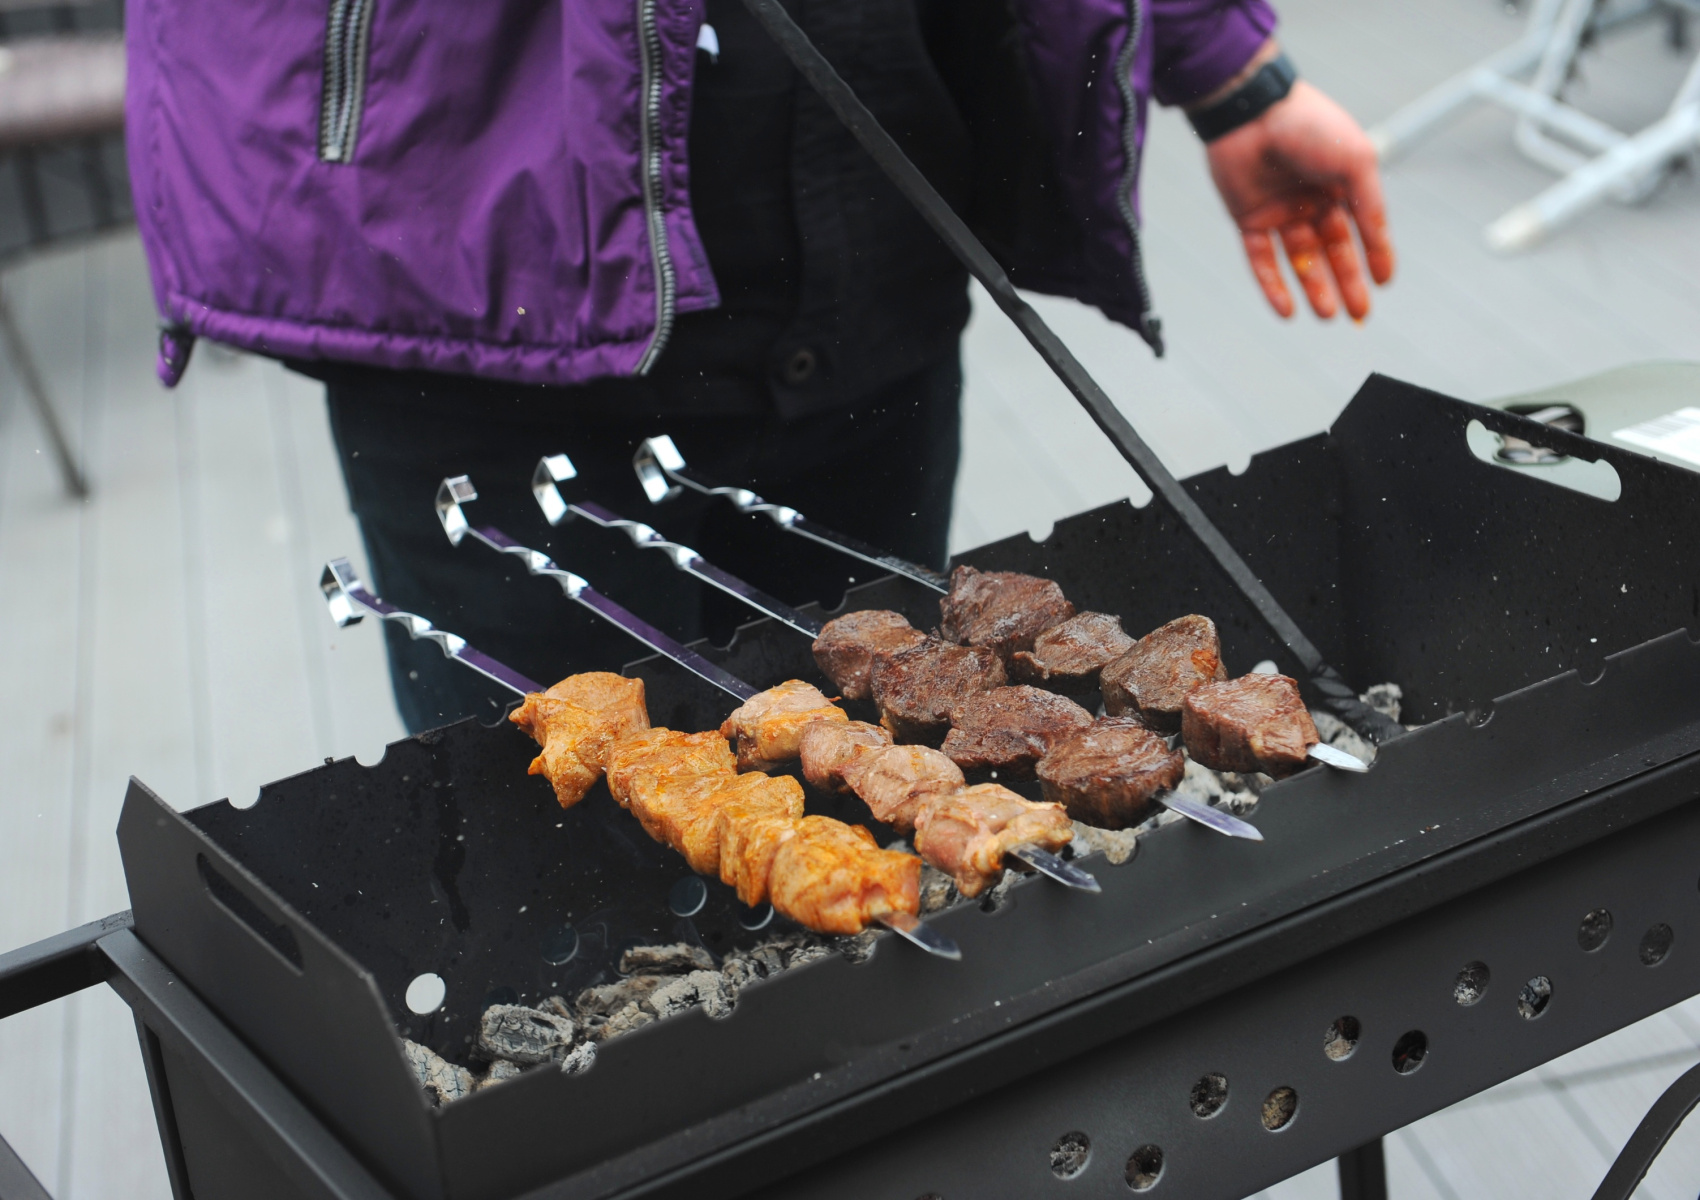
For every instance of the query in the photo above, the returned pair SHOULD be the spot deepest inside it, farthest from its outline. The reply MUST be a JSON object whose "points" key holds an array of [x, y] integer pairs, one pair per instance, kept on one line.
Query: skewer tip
{"points": [[915, 930]]}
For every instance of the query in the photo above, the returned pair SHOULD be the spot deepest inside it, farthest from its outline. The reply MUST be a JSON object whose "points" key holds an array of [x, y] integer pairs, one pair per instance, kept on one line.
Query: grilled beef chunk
{"points": [[827, 748], [1253, 723], [847, 647], [894, 781], [1009, 729], [1068, 657], [1107, 773], [916, 689], [1155, 675], [1000, 609], [967, 833]]}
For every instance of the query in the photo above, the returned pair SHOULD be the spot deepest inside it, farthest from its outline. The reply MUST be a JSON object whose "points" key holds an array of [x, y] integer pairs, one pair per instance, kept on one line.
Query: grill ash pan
{"points": [[302, 919]]}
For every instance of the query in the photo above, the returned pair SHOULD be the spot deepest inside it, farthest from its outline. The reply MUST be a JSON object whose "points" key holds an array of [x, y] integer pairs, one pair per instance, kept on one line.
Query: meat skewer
{"points": [[558, 468], [662, 471]]}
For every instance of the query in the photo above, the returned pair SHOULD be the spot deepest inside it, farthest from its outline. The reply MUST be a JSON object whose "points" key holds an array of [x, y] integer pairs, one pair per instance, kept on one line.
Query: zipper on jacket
{"points": [[666, 283], [1150, 328], [348, 36]]}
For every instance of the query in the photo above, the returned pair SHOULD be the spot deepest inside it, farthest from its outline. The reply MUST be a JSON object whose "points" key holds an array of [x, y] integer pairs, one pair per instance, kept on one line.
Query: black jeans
{"points": [[883, 471]]}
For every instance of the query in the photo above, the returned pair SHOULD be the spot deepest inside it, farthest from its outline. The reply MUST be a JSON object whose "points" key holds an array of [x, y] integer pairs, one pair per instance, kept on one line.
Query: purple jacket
{"points": [[501, 188]]}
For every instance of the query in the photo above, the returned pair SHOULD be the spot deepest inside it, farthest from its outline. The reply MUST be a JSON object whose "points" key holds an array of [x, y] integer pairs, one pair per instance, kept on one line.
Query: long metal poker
{"points": [[350, 600], [662, 471], [459, 490], [972, 253], [556, 469]]}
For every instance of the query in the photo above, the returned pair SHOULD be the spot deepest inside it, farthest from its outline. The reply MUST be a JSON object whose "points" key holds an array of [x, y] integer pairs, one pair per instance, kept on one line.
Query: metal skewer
{"points": [[1330, 756], [459, 490], [558, 468], [349, 601], [662, 471]]}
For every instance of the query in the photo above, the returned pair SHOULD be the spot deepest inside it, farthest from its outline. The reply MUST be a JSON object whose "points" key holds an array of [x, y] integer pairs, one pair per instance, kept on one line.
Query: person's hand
{"points": [[1306, 173]]}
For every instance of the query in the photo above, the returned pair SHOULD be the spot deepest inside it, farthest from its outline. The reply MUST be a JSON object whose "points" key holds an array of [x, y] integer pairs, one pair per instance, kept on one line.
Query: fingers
{"points": [[1260, 252], [1368, 210], [1336, 231], [1310, 264]]}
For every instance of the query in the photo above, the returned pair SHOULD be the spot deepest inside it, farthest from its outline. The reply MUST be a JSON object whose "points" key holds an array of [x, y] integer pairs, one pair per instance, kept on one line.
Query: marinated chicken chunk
{"points": [[1107, 773], [1154, 677], [1253, 723], [692, 825], [752, 828], [656, 757], [834, 878], [1068, 657], [894, 781], [848, 646], [770, 724], [916, 689], [616, 697], [1009, 729], [967, 833], [576, 722], [1002, 610], [827, 747]]}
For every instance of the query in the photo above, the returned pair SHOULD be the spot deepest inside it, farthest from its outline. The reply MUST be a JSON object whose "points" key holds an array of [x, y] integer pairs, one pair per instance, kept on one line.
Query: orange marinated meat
{"points": [[770, 724], [833, 878], [576, 722], [656, 757]]}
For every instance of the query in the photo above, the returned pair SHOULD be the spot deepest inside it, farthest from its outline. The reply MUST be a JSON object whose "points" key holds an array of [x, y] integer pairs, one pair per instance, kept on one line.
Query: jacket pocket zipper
{"points": [[348, 38], [666, 283]]}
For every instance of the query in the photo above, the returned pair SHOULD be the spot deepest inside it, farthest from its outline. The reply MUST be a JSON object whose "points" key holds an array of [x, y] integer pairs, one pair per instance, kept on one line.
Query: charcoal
{"points": [[582, 1058], [938, 890], [442, 1080], [1223, 789], [610, 998], [523, 1035], [631, 1017], [858, 946], [1118, 845], [557, 1006], [1385, 698], [705, 988], [676, 959], [499, 1070]]}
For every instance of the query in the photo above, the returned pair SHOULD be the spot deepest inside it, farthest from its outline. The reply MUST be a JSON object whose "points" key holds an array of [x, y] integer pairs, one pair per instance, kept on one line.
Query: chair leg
{"points": [[24, 364], [1363, 1173]]}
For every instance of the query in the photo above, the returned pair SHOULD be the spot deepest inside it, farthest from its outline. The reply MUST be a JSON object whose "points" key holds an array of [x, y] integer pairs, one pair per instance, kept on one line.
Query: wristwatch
{"points": [[1273, 80]]}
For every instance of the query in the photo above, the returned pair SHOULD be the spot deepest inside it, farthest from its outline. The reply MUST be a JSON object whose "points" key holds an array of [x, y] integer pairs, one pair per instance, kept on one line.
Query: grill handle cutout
{"points": [[1598, 479]]}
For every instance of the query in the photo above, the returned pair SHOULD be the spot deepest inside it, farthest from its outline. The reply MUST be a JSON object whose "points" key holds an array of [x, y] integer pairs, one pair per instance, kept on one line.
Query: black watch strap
{"points": [[1274, 79]]}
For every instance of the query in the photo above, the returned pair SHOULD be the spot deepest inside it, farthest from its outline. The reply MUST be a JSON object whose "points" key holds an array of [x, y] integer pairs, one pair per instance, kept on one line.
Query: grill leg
{"points": [[1363, 1173], [24, 364]]}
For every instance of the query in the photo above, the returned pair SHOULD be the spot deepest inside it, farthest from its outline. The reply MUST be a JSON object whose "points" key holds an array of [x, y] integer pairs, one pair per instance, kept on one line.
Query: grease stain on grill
{"points": [[1279, 1109], [1472, 983], [1144, 1168], [1208, 1096], [1656, 944], [1410, 1051], [688, 896], [1070, 1154], [1342, 1038], [1594, 930], [1533, 999], [560, 945]]}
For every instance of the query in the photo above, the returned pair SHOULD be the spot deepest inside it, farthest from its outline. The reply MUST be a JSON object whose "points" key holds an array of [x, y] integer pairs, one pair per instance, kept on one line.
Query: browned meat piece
{"points": [[966, 833], [895, 780], [848, 646], [769, 724], [1107, 773], [576, 722], [658, 757], [1002, 610], [833, 878], [827, 747], [1009, 729], [1153, 678], [916, 689], [751, 832], [1253, 723], [616, 697], [1069, 656]]}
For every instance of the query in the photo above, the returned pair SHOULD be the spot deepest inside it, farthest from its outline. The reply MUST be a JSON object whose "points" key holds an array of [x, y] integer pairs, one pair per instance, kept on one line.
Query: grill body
{"points": [[1563, 776]]}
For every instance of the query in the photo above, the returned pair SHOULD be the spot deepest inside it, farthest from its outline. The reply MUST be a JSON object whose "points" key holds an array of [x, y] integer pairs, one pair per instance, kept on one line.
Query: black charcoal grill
{"points": [[1537, 632]]}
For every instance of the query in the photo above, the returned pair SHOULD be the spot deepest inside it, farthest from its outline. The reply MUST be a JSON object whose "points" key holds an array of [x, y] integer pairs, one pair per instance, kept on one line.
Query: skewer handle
{"points": [[557, 468], [662, 471], [349, 600], [922, 934], [458, 490], [1210, 818]]}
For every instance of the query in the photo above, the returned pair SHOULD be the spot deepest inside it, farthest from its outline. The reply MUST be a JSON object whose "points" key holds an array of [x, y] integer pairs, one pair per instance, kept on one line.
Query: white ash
{"points": [[499, 1070], [1222, 789], [442, 1080], [700, 988], [1385, 698], [523, 1035], [582, 1058], [675, 959], [1118, 845], [610, 998], [938, 890], [632, 1016]]}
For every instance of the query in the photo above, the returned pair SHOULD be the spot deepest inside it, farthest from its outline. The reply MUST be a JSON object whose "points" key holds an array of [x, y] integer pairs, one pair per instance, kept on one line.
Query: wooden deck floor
{"points": [[170, 627]]}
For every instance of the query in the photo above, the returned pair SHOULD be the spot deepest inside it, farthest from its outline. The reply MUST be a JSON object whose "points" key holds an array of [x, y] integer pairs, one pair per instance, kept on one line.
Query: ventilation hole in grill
{"points": [[1208, 1096], [1655, 944], [1279, 1108], [1471, 984], [758, 917], [1533, 999], [1144, 1168], [425, 995], [687, 897], [1594, 930], [1070, 1154], [1342, 1038], [560, 945], [1410, 1051]]}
